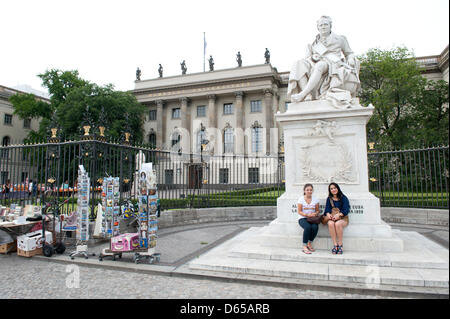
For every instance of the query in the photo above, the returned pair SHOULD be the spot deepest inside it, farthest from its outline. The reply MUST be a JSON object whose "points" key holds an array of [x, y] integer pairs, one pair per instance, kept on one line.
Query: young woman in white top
{"points": [[308, 206]]}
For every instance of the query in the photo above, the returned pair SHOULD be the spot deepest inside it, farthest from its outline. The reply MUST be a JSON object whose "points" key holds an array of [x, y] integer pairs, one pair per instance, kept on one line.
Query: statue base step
{"points": [[422, 263]]}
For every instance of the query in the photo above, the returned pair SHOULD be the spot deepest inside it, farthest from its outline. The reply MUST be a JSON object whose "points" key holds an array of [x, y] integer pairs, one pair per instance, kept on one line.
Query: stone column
{"points": [[160, 125], [268, 101], [212, 117], [185, 119], [239, 123], [184, 114], [212, 124]]}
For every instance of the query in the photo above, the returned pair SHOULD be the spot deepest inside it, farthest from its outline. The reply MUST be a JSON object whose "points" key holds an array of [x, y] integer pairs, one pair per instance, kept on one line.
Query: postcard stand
{"points": [[82, 231], [147, 221], [110, 212]]}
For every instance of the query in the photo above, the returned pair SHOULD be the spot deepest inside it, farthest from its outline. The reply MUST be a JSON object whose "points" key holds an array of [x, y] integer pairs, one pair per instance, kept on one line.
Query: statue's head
{"points": [[324, 24]]}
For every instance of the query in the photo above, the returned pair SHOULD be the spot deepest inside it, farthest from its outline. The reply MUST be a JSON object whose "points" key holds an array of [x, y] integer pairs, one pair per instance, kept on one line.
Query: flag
{"points": [[204, 50], [204, 42]]}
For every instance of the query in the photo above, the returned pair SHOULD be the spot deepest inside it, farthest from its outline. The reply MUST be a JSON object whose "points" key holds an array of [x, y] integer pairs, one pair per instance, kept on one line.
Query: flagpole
{"points": [[204, 51]]}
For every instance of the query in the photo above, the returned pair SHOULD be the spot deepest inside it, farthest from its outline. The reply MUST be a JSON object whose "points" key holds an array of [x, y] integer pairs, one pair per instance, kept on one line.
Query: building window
{"points": [[5, 142], [228, 141], [256, 139], [152, 115], [228, 108], [223, 175], [8, 119], [253, 175], [175, 142], [176, 138], [152, 139], [168, 173], [27, 123], [176, 113], [201, 111], [255, 106]]}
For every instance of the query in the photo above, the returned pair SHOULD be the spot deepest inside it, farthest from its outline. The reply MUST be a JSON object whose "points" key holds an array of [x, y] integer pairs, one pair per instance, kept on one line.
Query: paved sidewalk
{"points": [[42, 277]]}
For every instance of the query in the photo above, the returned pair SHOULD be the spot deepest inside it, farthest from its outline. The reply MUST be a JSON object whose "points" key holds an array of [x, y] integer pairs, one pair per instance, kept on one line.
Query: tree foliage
{"points": [[69, 98], [410, 110]]}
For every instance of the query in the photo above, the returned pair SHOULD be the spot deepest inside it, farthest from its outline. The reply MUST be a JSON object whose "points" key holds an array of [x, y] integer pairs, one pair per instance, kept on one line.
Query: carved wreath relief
{"points": [[324, 159]]}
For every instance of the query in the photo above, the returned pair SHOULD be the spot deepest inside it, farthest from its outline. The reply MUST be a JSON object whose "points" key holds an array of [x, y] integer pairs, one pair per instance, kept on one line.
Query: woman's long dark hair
{"points": [[339, 194]]}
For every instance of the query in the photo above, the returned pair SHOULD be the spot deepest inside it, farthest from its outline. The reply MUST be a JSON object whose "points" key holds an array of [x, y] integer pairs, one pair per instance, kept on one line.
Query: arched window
{"points": [[175, 139], [5, 142], [201, 139], [228, 139], [256, 138], [152, 139]]}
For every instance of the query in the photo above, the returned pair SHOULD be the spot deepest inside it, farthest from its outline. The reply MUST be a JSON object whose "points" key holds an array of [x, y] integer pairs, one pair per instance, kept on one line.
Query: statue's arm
{"points": [[348, 52]]}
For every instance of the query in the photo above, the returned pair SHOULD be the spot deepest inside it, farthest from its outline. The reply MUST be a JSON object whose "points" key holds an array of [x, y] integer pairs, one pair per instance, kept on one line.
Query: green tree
{"points": [[390, 80], [70, 96], [431, 114]]}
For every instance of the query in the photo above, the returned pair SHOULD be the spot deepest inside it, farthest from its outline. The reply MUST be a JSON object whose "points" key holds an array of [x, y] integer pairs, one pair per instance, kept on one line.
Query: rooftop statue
{"points": [[211, 63], [239, 59], [183, 67], [138, 74], [330, 70], [267, 56], [160, 71]]}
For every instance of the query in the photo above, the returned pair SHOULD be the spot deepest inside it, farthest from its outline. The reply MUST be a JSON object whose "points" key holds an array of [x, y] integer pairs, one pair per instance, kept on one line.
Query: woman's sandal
{"points": [[334, 250], [306, 250], [310, 249], [339, 250]]}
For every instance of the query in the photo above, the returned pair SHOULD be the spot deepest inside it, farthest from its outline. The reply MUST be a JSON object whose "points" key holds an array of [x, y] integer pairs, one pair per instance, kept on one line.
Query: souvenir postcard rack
{"points": [[82, 231], [147, 220]]}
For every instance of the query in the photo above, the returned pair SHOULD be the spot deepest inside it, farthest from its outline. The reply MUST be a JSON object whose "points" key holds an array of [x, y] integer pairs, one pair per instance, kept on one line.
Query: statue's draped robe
{"points": [[340, 76]]}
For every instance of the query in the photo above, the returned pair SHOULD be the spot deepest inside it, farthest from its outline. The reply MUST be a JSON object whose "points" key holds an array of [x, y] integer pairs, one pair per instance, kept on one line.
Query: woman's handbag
{"points": [[334, 211], [314, 219]]}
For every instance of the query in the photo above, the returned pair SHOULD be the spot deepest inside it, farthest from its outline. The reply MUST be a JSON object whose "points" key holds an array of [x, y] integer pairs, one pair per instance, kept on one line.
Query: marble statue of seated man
{"points": [[330, 70]]}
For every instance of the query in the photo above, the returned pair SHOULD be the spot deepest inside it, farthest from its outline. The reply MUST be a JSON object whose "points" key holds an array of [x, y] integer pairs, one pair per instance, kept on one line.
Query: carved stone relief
{"points": [[323, 156]]}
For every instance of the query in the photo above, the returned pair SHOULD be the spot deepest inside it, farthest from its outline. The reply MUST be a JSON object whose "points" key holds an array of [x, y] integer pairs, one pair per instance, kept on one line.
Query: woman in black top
{"points": [[337, 223]]}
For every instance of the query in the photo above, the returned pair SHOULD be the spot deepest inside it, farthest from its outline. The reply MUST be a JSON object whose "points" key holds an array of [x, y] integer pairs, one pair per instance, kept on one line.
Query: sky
{"points": [[106, 40]]}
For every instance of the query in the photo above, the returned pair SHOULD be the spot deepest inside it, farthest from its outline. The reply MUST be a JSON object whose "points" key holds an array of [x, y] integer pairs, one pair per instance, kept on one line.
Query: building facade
{"points": [[228, 110], [14, 130]]}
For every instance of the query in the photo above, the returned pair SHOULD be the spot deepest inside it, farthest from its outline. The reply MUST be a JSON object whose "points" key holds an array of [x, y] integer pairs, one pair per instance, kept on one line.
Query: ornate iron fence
{"points": [[184, 180], [408, 178]]}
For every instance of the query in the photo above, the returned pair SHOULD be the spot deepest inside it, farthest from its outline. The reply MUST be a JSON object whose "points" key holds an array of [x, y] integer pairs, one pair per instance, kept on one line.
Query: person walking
{"points": [[6, 188]]}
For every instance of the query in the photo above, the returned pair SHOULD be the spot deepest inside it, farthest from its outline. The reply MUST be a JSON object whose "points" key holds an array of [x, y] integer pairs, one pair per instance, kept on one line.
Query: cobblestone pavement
{"points": [[41, 278], [32, 278]]}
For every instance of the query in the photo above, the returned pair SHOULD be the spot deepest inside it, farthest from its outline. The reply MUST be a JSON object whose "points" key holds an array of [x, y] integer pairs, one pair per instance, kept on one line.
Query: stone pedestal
{"points": [[324, 144]]}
